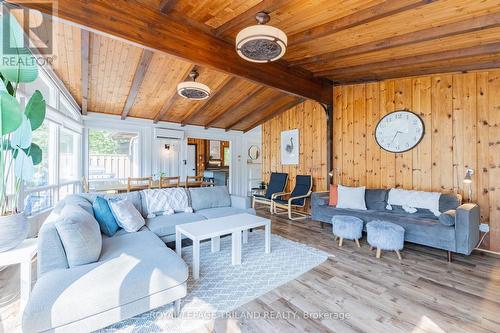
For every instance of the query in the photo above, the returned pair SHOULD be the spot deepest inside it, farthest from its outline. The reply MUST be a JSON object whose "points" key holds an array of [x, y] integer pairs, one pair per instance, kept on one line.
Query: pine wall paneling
{"points": [[461, 113], [310, 118]]}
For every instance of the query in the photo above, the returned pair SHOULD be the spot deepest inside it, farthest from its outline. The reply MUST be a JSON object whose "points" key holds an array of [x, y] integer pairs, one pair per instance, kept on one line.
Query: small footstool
{"points": [[348, 227], [385, 236]]}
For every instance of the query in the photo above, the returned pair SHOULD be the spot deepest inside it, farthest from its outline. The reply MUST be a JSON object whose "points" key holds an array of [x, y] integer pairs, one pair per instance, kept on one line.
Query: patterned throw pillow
{"points": [[126, 215], [157, 203], [178, 199]]}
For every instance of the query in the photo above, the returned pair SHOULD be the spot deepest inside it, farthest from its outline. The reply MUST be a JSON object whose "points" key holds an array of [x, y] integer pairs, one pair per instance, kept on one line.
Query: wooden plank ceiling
{"points": [[341, 41]]}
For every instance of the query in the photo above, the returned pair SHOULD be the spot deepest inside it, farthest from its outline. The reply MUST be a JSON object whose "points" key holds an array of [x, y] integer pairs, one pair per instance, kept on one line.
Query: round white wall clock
{"points": [[399, 131]]}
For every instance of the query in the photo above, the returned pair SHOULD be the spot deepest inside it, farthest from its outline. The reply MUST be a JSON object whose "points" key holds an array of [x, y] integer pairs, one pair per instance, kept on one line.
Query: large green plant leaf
{"points": [[22, 135], [35, 152], [6, 85], [23, 166], [10, 113], [18, 64], [35, 110]]}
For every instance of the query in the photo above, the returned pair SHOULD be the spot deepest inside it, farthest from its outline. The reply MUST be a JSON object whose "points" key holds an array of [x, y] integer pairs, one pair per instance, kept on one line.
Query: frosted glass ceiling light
{"points": [[193, 90], [261, 43]]}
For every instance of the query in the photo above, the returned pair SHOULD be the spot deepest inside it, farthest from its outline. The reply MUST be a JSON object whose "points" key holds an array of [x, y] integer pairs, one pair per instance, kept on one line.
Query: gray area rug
{"points": [[223, 287]]}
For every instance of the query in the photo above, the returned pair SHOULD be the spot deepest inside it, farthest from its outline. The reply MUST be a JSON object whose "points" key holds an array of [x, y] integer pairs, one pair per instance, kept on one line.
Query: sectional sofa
{"points": [[136, 272], [422, 227]]}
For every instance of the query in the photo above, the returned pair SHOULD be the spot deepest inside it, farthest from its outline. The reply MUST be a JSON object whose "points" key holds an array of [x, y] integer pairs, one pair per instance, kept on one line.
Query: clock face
{"points": [[399, 131]]}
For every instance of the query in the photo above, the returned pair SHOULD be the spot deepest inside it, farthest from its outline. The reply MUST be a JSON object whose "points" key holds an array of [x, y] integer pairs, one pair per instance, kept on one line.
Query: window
{"points": [[59, 172], [69, 152], [42, 138], [227, 156], [38, 200], [113, 155]]}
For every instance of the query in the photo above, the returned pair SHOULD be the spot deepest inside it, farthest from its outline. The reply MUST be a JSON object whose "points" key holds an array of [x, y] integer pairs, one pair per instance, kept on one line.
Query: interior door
{"points": [[169, 158], [191, 160]]}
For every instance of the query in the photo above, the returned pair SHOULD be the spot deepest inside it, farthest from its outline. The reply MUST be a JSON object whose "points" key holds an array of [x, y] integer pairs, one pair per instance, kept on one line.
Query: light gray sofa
{"points": [[421, 227], [136, 272]]}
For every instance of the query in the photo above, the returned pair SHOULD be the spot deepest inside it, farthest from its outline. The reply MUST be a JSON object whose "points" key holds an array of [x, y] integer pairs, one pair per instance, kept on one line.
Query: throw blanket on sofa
{"points": [[166, 201], [411, 200], [178, 199], [157, 203]]}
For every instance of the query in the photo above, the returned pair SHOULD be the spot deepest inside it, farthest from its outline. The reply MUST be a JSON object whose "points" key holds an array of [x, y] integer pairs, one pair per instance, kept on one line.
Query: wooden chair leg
{"points": [[379, 253], [357, 242], [399, 255], [341, 241]]}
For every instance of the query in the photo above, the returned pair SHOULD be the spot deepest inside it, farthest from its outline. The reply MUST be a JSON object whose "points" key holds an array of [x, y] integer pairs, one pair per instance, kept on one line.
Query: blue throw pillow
{"points": [[448, 218], [105, 217]]}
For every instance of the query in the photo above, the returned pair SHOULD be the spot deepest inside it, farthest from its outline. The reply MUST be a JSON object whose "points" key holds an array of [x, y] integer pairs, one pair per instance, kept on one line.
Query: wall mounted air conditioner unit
{"points": [[165, 133]]}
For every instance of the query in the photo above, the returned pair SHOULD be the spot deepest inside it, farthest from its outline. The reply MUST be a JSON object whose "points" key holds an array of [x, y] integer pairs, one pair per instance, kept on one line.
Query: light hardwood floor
{"points": [[421, 293]]}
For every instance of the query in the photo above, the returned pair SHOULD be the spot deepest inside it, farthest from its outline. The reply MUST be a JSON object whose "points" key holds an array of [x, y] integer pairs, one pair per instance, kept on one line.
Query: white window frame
{"points": [[127, 129], [57, 120]]}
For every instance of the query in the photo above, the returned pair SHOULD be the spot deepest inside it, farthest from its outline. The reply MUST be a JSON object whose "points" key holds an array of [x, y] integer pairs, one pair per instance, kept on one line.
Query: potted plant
{"points": [[18, 154]]}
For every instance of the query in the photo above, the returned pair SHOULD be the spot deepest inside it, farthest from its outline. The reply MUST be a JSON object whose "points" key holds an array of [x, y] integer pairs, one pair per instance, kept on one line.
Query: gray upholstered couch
{"points": [[421, 227], [135, 273]]}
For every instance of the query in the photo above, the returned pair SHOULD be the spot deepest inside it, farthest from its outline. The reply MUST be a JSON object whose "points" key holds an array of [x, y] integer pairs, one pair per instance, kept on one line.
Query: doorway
{"points": [[191, 168], [169, 158]]}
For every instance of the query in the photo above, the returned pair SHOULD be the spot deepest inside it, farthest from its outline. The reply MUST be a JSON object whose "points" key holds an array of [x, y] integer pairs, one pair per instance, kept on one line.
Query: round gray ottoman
{"points": [[348, 227], [385, 236]]}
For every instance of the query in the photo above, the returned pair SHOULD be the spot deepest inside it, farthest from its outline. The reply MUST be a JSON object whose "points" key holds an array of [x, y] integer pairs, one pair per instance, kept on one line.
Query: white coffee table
{"points": [[236, 225], [22, 254]]}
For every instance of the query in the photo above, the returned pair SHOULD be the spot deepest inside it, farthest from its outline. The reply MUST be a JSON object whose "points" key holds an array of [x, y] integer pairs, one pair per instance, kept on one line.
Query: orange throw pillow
{"points": [[334, 195]]}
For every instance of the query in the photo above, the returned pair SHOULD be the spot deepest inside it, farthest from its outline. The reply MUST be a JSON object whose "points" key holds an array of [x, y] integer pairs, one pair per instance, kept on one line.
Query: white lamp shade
{"points": [[261, 43], [193, 90]]}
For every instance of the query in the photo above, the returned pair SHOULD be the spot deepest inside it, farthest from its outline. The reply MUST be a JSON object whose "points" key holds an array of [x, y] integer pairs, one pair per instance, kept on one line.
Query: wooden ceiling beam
{"points": [[376, 12], [236, 106], [228, 84], [413, 60], [269, 103], [141, 25], [85, 58], [427, 70], [447, 30], [171, 101], [139, 75], [167, 5], [274, 113], [248, 16]]}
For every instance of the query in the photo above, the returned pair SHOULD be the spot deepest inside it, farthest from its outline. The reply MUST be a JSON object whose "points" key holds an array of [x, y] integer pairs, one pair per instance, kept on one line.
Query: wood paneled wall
{"points": [[203, 152], [310, 118], [461, 113], [200, 154]]}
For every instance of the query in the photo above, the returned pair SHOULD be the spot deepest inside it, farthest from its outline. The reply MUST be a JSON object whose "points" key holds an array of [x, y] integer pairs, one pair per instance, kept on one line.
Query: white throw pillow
{"points": [[157, 203], [351, 197], [178, 199], [126, 215]]}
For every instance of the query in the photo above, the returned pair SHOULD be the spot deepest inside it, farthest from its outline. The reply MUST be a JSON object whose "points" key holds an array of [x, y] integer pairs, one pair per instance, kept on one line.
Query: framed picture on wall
{"points": [[290, 147], [214, 150]]}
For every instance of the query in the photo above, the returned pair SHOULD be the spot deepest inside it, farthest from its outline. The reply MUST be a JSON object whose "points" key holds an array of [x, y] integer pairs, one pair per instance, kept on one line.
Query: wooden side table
{"points": [[23, 254]]}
